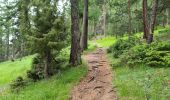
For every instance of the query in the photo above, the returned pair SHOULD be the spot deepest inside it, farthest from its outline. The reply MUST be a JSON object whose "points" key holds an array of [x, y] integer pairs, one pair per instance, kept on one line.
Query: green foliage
{"points": [[149, 55], [57, 87], [132, 53], [11, 70], [121, 46], [142, 82], [134, 56], [106, 41], [37, 70], [161, 46], [155, 59], [17, 84]]}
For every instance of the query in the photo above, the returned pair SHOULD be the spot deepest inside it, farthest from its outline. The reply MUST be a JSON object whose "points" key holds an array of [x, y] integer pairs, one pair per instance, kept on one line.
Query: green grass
{"points": [[141, 82], [10, 70], [106, 41], [56, 88], [91, 47]]}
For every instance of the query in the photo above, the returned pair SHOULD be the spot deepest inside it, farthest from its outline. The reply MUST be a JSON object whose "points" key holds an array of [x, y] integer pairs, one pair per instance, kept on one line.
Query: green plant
{"points": [[122, 45], [37, 70], [17, 84], [149, 55]]}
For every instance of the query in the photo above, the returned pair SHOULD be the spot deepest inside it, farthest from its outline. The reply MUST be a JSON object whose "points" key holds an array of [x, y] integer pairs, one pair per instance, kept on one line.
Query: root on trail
{"points": [[97, 85]]}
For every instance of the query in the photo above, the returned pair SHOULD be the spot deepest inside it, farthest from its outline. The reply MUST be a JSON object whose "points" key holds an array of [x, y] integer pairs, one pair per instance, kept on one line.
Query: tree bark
{"points": [[129, 11], [7, 46], [154, 14], [166, 15], [1, 49], [75, 54], [84, 36], [47, 63], [104, 19], [145, 21]]}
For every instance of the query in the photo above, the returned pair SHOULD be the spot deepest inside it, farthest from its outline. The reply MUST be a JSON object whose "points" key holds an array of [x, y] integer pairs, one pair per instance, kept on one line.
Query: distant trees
{"points": [[8, 30]]}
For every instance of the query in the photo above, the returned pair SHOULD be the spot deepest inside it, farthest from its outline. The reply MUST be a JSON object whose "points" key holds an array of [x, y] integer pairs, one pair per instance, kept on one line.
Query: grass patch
{"points": [[106, 41], [11, 70], [56, 88], [141, 82], [91, 47]]}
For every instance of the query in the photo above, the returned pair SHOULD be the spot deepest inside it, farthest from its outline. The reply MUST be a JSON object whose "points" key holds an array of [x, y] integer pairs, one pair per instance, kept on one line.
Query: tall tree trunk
{"points": [[145, 21], [104, 19], [84, 36], [154, 14], [47, 63], [94, 26], [75, 55], [129, 11], [153, 21], [7, 46], [1, 49], [166, 15]]}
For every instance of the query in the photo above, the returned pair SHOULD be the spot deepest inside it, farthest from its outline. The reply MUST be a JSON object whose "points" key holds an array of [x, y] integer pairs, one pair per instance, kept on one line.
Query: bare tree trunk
{"points": [[154, 14], [84, 36], [75, 55], [47, 63], [129, 11], [94, 25], [104, 19], [7, 46], [153, 21], [166, 15], [145, 21], [1, 49]]}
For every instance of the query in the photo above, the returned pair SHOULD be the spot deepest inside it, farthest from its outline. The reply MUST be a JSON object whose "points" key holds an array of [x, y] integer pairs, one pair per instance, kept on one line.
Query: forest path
{"points": [[97, 85]]}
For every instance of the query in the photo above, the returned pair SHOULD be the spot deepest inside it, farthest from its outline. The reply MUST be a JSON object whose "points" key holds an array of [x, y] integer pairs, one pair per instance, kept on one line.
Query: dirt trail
{"points": [[97, 85]]}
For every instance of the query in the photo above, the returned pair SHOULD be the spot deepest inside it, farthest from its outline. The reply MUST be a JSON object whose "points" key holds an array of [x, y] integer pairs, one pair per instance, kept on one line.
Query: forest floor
{"points": [[97, 85]]}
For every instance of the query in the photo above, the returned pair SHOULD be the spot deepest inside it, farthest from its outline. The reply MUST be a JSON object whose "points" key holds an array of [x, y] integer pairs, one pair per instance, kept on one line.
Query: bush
{"points": [[122, 46], [145, 54], [37, 70], [155, 59], [17, 84], [161, 46], [134, 56], [133, 52]]}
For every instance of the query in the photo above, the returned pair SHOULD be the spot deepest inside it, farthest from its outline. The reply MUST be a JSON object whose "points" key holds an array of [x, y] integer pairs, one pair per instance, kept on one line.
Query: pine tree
{"points": [[47, 31]]}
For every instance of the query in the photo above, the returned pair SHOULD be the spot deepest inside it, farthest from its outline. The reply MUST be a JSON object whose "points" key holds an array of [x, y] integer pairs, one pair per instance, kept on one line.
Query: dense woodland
{"points": [[57, 33]]}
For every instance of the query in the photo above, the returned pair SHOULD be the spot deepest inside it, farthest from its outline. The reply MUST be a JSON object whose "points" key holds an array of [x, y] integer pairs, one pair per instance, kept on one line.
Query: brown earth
{"points": [[97, 85]]}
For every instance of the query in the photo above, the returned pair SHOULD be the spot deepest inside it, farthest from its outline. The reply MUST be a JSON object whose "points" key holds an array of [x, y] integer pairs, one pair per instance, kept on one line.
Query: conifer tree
{"points": [[47, 31]]}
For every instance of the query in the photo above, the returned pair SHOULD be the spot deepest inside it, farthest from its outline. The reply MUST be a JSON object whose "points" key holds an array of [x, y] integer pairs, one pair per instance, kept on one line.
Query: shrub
{"points": [[132, 53], [122, 46], [37, 70], [161, 46], [145, 54], [17, 84], [155, 59], [134, 56]]}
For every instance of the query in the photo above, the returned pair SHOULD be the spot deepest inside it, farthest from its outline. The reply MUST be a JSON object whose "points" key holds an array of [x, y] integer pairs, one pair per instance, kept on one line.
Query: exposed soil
{"points": [[97, 85]]}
